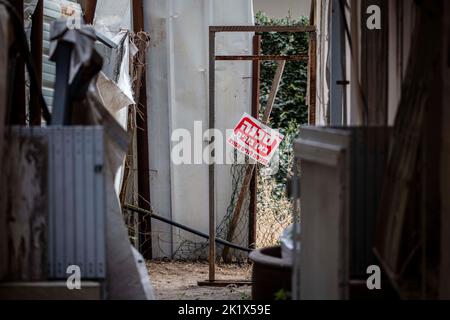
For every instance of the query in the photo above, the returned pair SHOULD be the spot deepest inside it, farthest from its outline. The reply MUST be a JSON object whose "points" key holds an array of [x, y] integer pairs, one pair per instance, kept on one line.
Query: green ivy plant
{"points": [[290, 109]]}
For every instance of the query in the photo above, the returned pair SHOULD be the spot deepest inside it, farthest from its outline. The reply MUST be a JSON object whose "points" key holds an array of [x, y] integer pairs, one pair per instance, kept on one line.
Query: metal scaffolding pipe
{"points": [[185, 228]]}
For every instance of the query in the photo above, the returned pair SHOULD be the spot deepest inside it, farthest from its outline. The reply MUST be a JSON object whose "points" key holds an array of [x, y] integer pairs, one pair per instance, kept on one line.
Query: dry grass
{"points": [[274, 215]]}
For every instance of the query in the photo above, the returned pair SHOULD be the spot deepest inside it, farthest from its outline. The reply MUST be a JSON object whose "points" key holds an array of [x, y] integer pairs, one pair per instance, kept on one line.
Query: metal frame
{"points": [[212, 109], [145, 223]]}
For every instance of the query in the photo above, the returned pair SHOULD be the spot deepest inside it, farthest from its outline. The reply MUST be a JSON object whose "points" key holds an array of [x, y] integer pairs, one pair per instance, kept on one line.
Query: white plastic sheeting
{"points": [[115, 22], [178, 96]]}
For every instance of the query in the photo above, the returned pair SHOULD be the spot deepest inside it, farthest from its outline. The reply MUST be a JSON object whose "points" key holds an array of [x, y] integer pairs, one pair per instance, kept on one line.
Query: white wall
{"points": [[178, 96]]}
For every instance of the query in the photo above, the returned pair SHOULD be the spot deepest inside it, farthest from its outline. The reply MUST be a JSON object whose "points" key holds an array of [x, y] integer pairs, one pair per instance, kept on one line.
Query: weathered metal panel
{"points": [[100, 201], [89, 201], [79, 198], [69, 200], [57, 241], [77, 202], [51, 208]]}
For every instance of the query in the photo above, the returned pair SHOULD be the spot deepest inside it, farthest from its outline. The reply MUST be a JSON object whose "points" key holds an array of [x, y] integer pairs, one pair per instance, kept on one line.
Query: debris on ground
{"points": [[178, 281]]}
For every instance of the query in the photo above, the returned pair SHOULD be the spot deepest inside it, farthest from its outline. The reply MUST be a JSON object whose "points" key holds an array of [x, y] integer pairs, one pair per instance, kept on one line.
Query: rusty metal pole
{"points": [[89, 11], [212, 181], [255, 113], [142, 143], [18, 112], [36, 51]]}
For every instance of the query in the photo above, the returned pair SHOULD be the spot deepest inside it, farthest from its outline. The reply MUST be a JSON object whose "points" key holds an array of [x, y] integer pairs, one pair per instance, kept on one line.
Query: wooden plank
{"points": [[374, 66], [274, 91], [262, 29], [398, 195]]}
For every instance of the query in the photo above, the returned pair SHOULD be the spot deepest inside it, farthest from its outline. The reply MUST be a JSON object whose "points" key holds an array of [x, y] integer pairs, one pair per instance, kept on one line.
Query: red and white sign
{"points": [[256, 140]]}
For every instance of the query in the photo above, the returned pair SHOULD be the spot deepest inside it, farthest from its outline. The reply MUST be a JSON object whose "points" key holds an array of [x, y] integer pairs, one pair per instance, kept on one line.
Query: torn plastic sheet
{"points": [[112, 95], [117, 102], [124, 84]]}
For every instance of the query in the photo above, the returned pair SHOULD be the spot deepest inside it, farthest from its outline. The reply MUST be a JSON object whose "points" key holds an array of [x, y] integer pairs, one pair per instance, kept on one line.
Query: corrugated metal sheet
{"points": [[77, 201], [76, 226]]}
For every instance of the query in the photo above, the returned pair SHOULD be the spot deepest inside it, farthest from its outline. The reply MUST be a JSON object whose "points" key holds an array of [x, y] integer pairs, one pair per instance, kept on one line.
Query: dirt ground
{"points": [[178, 281]]}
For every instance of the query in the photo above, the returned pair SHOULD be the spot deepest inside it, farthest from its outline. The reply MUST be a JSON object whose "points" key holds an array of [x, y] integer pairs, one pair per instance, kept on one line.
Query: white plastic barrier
{"points": [[178, 96]]}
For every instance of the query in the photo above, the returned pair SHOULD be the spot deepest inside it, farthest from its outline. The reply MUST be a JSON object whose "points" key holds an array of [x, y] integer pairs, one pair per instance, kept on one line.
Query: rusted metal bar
{"points": [[212, 177], [251, 168], [18, 111], [142, 142], [262, 28], [224, 283], [274, 91], [253, 209], [263, 58], [89, 11], [183, 227], [312, 79], [212, 63], [36, 51]]}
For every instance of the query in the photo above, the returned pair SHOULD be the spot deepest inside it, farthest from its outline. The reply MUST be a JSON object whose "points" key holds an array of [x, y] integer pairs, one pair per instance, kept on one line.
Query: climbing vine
{"points": [[290, 109]]}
